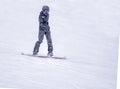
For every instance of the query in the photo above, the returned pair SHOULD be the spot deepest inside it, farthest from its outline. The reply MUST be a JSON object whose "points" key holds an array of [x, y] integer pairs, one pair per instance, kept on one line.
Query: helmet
{"points": [[45, 7]]}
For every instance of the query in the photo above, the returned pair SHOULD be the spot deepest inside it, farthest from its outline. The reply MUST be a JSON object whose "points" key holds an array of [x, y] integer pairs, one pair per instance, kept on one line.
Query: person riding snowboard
{"points": [[44, 29]]}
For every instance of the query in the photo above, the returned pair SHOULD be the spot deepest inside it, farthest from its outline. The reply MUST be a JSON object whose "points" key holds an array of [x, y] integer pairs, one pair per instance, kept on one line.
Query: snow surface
{"points": [[85, 31], [118, 72]]}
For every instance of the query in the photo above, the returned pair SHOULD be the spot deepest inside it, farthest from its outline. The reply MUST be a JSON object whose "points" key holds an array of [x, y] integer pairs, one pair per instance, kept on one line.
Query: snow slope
{"points": [[85, 31]]}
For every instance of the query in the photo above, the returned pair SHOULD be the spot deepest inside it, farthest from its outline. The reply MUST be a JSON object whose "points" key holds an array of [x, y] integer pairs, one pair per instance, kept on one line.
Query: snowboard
{"points": [[41, 56]]}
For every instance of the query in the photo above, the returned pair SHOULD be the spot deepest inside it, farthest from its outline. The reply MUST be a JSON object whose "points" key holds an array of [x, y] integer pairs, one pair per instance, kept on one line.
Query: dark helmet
{"points": [[45, 7]]}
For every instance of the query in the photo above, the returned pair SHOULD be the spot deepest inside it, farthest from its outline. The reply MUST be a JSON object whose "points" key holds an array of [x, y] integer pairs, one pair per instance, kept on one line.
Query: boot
{"points": [[50, 54], [35, 53]]}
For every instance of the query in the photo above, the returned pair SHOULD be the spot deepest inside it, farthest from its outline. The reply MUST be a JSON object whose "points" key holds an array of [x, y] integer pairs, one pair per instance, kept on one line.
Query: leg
{"points": [[37, 44], [49, 42]]}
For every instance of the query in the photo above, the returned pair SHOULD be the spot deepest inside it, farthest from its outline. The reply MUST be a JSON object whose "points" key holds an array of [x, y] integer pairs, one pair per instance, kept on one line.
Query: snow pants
{"points": [[44, 31]]}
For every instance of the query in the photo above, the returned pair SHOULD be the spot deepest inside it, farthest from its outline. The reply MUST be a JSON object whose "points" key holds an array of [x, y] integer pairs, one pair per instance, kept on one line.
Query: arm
{"points": [[40, 18]]}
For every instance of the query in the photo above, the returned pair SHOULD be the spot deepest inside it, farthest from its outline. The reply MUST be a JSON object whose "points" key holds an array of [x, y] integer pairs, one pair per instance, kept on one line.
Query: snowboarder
{"points": [[44, 29]]}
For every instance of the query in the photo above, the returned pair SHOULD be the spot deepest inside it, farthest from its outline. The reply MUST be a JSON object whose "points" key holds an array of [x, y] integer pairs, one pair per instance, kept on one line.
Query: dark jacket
{"points": [[43, 19]]}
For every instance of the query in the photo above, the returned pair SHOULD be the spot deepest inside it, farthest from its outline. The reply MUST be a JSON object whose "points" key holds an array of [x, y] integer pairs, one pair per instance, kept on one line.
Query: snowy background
{"points": [[85, 31]]}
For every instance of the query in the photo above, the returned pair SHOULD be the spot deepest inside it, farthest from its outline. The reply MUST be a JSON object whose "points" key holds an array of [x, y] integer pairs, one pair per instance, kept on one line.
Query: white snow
{"points": [[85, 31], [118, 69]]}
